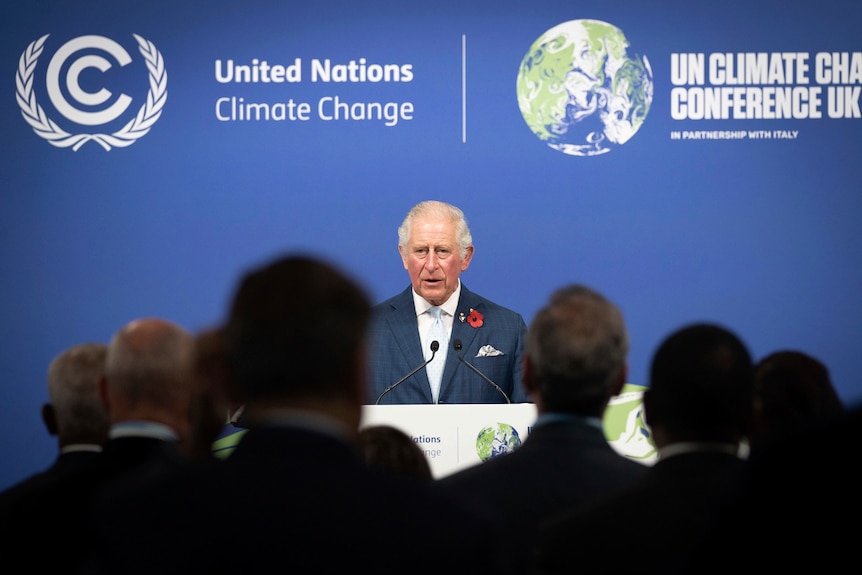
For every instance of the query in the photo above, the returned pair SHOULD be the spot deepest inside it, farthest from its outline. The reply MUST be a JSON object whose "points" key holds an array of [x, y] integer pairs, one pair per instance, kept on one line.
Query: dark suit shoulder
{"points": [[393, 302]]}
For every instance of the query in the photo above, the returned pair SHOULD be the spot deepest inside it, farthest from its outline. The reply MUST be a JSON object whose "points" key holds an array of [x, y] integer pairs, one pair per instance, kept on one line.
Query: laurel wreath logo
{"points": [[126, 136]]}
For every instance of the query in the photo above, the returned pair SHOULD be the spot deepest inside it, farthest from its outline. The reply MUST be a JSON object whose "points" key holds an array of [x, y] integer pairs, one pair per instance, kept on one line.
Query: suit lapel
{"points": [[405, 331], [460, 330]]}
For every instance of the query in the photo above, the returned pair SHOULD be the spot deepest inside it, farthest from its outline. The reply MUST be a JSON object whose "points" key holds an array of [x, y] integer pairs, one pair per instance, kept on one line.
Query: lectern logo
{"points": [[77, 101], [495, 440]]}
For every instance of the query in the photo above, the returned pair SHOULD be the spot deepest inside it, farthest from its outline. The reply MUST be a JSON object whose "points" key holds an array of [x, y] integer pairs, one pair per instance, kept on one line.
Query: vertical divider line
{"points": [[463, 88]]}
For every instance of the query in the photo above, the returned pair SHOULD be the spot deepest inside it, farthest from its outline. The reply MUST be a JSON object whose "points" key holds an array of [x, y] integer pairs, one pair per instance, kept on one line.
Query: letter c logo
{"points": [[72, 80]]}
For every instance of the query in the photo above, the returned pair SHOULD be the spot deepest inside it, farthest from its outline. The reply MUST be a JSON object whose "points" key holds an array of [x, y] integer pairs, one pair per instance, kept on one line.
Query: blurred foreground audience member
{"points": [[295, 495], [392, 450], [216, 414], [800, 497], [798, 508], [146, 392], [211, 404], [576, 353], [697, 406], [73, 414], [792, 391]]}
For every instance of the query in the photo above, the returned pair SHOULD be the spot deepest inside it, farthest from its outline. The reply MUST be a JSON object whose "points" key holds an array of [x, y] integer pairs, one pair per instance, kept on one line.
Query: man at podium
{"points": [[436, 341]]}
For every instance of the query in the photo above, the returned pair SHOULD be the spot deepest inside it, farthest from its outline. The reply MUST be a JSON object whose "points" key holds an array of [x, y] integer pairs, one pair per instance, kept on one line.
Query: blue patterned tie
{"points": [[435, 368]]}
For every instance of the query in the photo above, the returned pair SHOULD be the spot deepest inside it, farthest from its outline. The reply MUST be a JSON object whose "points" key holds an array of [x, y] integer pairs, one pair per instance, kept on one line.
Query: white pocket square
{"points": [[488, 351]]}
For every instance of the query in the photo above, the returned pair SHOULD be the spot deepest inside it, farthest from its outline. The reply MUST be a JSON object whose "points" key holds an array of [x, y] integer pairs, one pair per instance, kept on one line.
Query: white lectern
{"points": [[457, 435]]}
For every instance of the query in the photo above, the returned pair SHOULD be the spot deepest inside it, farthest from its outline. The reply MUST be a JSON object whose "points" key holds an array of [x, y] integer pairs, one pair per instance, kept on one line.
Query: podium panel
{"points": [[457, 436]]}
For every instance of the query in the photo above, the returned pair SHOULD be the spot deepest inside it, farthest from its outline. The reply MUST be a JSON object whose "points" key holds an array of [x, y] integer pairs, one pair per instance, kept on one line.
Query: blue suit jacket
{"points": [[395, 350]]}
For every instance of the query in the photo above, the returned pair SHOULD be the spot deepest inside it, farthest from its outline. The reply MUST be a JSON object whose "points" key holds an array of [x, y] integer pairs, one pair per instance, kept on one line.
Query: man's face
{"points": [[432, 258]]}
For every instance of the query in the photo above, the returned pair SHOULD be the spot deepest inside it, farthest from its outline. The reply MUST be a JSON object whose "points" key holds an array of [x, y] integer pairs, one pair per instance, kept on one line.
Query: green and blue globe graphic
{"points": [[625, 427], [580, 91], [495, 440]]}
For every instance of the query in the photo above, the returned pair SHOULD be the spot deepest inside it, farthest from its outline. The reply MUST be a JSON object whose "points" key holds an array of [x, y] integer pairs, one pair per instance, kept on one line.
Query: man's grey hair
{"points": [[438, 210], [578, 346], [73, 378]]}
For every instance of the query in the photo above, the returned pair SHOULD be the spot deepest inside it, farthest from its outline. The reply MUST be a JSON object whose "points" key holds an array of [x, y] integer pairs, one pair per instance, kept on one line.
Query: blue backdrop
{"points": [[743, 211]]}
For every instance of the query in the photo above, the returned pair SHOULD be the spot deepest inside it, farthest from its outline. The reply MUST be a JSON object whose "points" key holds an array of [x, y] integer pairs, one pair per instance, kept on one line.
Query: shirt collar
{"points": [[319, 422], [149, 429], [546, 418], [78, 447], [450, 306], [699, 446]]}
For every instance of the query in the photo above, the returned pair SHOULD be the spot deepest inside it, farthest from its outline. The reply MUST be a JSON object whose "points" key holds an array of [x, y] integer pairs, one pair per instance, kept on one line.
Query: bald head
{"points": [[75, 414], [147, 373]]}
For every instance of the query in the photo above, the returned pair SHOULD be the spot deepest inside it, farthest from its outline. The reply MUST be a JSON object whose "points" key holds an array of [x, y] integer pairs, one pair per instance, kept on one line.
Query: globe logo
{"points": [[580, 92], [625, 427], [496, 440]]}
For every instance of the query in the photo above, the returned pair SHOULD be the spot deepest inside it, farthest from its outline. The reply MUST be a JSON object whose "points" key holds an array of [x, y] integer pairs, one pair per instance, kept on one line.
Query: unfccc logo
{"points": [[88, 108]]}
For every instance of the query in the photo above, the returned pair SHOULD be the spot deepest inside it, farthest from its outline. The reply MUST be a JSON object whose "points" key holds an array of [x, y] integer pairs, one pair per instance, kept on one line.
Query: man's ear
{"points": [[465, 263], [49, 417]]}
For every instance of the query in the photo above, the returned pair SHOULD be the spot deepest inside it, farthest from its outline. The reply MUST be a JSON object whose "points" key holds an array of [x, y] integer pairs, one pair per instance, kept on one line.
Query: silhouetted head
{"points": [[147, 373], [793, 390], [392, 450], [701, 386], [296, 332]]}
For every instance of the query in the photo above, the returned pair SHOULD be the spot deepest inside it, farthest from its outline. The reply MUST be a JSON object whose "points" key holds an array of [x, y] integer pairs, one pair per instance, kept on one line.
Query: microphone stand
{"points": [[458, 345], [435, 345]]}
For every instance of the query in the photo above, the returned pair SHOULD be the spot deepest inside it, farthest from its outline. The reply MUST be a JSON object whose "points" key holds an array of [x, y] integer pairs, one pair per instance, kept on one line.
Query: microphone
{"points": [[435, 345], [458, 346]]}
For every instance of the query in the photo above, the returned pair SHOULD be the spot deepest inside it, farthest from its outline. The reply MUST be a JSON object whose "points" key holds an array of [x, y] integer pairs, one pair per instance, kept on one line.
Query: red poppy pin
{"points": [[475, 319]]}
